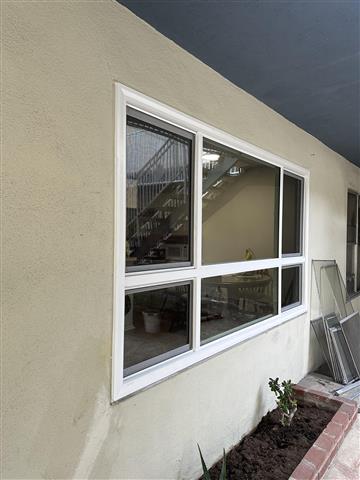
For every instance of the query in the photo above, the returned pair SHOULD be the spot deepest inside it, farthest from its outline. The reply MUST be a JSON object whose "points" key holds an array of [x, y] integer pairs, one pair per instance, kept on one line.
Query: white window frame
{"points": [[123, 387]]}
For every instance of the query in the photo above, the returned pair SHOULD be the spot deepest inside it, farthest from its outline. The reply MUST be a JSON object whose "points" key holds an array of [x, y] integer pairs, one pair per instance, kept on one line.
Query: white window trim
{"points": [[123, 387]]}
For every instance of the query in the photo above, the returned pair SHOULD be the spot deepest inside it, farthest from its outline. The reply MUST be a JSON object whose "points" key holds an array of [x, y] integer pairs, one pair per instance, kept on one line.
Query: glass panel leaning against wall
{"points": [[292, 213], [156, 325], [240, 205], [158, 192], [232, 302]]}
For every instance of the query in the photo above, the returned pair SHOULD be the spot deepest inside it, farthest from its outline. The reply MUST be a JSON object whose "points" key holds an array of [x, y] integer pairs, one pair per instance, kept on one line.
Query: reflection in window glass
{"points": [[156, 326], [291, 235], [239, 206], [290, 286], [351, 217], [350, 268], [158, 192], [231, 302], [351, 246]]}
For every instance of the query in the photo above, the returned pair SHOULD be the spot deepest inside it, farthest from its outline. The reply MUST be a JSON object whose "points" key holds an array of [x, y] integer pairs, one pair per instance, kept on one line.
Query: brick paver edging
{"points": [[318, 458]]}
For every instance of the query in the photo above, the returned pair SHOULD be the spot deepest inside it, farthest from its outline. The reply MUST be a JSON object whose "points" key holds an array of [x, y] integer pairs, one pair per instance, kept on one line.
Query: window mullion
{"points": [[239, 267], [159, 277], [294, 260], [279, 291], [196, 313], [197, 204], [197, 240], [281, 198]]}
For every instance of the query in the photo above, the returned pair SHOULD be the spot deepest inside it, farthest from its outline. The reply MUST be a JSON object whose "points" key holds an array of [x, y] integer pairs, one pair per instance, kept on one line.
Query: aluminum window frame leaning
{"points": [[123, 281]]}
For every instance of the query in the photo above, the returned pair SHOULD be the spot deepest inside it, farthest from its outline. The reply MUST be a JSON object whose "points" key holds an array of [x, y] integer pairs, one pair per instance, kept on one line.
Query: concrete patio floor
{"points": [[346, 463]]}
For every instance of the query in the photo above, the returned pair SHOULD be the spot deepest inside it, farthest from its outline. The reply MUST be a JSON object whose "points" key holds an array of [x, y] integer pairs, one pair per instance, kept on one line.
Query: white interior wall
{"points": [[60, 61], [247, 220]]}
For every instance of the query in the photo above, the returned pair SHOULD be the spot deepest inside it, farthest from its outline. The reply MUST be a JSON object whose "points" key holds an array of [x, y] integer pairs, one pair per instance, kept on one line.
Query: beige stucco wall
{"points": [[60, 61]]}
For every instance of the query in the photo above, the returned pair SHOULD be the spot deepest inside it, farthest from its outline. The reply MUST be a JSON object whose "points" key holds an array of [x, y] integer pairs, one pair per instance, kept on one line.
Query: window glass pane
{"points": [[350, 268], [239, 206], [158, 193], [291, 235], [156, 326], [352, 215], [351, 218], [231, 302], [290, 286]]}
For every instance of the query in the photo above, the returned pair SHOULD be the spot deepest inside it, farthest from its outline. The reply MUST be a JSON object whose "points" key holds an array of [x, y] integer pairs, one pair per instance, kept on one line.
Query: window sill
{"points": [[157, 373]]}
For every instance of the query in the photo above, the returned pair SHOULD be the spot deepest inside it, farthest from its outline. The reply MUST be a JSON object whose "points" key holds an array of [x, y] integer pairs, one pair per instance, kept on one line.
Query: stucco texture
{"points": [[60, 61]]}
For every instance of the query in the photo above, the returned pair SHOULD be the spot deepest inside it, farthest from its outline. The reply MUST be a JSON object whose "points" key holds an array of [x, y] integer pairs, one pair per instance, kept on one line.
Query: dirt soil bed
{"points": [[272, 451]]}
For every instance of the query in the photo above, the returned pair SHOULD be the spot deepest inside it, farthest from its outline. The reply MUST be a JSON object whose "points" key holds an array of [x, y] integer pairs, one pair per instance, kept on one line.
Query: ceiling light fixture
{"points": [[210, 157]]}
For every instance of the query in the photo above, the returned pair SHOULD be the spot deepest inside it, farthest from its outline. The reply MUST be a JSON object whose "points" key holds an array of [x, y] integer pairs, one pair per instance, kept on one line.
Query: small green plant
{"points": [[222, 475], [285, 399]]}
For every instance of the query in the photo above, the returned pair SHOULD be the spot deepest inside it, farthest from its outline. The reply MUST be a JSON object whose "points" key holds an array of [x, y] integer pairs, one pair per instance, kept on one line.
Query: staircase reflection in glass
{"points": [[158, 193]]}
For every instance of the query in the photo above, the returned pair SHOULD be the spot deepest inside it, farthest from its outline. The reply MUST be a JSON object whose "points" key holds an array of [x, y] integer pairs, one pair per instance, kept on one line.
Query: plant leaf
{"points": [[204, 467], [223, 468]]}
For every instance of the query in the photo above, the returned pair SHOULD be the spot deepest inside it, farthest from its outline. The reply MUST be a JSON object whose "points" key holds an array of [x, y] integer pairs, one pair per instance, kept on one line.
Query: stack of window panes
{"points": [[337, 325]]}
